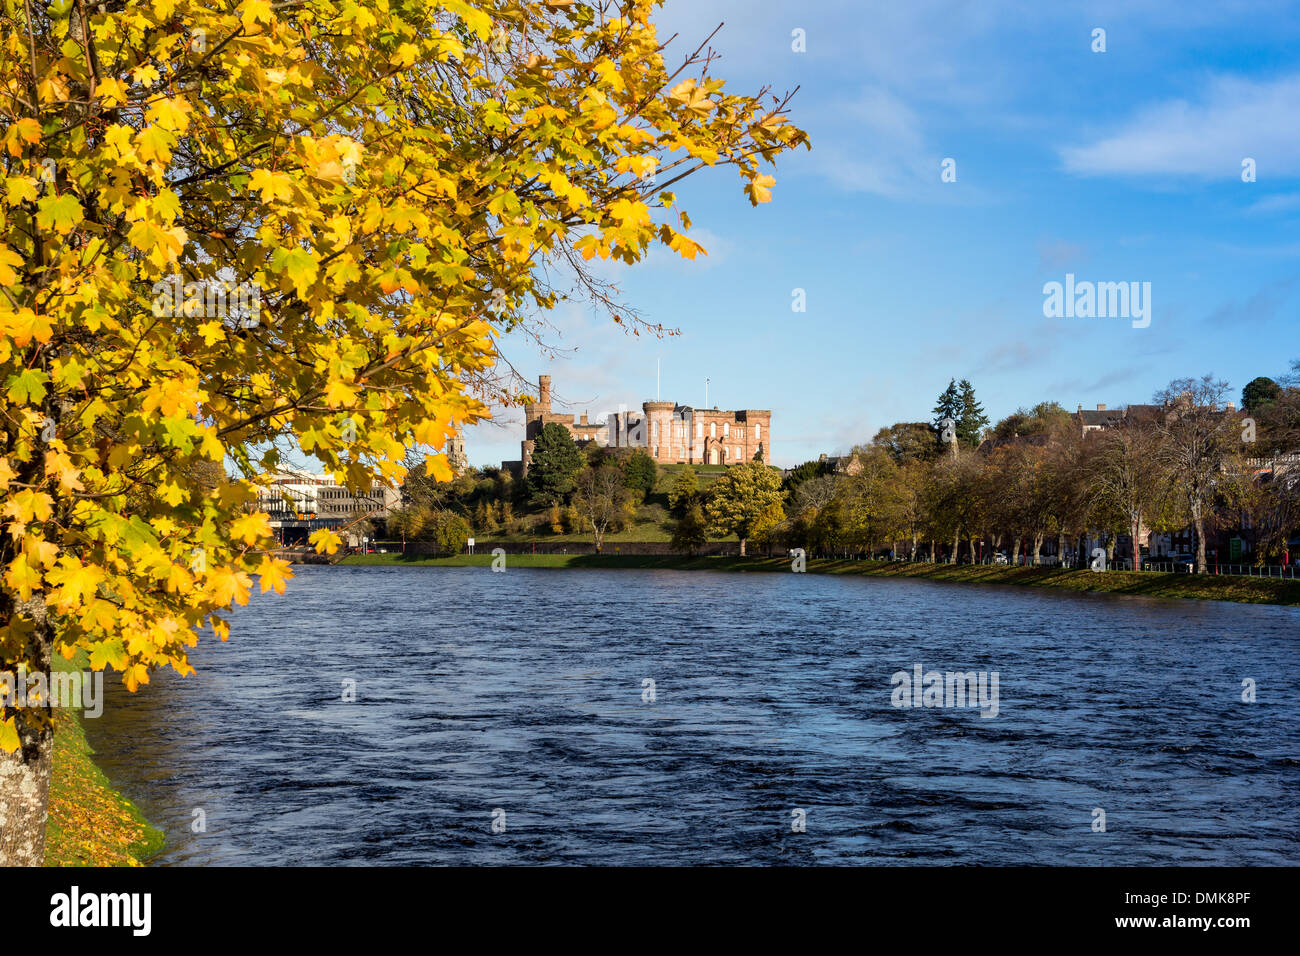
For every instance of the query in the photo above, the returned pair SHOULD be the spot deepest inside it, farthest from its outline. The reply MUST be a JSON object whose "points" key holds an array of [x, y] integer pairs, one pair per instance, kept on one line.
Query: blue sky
{"points": [[1115, 166]]}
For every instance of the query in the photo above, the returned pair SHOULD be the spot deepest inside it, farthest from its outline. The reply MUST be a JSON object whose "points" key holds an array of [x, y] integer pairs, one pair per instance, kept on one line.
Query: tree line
{"points": [[1185, 462]]}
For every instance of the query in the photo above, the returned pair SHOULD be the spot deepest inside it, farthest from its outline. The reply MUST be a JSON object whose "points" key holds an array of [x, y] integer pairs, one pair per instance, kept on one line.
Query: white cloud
{"points": [[1235, 119], [1280, 202]]}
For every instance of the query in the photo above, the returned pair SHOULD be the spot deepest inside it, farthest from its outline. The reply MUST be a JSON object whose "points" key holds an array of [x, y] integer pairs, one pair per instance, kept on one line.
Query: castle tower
{"points": [[535, 412], [544, 394], [659, 436], [455, 450]]}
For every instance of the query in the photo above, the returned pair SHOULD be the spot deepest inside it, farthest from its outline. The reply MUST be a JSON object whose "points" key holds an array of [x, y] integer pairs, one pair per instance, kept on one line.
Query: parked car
{"points": [[1000, 557], [1183, 561]]}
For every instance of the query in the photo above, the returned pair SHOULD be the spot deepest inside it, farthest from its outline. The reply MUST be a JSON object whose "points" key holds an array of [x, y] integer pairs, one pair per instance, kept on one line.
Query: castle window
{"points": [[726, 429], [713, 429], [758, 432]]}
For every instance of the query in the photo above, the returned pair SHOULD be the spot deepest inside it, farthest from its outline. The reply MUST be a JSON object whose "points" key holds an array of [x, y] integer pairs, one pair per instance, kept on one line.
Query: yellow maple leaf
{"points": [[271, 185], [272, 574], [760, 189], [22, 577], [9, 739], [251, 528], [325, 541]]}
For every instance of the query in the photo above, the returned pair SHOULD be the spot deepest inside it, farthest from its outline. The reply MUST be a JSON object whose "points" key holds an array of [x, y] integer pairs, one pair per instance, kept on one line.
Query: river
{"points": [[506, 718]]}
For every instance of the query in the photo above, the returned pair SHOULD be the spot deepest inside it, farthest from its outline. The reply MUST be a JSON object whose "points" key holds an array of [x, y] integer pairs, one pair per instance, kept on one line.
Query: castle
{"points": [[671, 434]]}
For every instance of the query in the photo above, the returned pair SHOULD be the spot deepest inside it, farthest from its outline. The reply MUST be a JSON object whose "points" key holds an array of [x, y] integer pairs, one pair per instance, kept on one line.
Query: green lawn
{"points": [[1148, 583]]}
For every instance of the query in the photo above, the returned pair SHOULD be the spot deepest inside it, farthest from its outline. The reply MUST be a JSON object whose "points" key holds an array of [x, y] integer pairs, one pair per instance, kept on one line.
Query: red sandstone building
{"points": [[672, 434]]}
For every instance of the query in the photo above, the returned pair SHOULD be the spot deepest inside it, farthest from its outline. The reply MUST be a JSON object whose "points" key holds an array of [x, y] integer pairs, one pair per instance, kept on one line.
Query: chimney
{"points": [[544, 393], [1080, 407], [1101, 407], [1232, 406], [584, 419]]}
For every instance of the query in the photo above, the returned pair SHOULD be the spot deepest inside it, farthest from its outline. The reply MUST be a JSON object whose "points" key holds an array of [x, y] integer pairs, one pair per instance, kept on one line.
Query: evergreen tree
{"points": [[640, 472], [809, 469], [1258, 393], [970, 417], [948, 408], [555, 463], [949, 405]]}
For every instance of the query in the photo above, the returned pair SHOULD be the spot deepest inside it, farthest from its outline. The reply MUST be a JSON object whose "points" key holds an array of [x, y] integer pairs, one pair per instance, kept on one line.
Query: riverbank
{"points": [[1241, 590], [90, 823]]}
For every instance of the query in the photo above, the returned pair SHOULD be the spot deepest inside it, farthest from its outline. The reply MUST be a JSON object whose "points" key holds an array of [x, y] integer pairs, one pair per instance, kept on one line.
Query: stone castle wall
{"points": [[670, 433]]}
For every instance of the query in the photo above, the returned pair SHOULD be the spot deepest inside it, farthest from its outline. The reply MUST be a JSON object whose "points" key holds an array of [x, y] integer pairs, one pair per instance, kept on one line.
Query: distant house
{"points": [[842, 464]]}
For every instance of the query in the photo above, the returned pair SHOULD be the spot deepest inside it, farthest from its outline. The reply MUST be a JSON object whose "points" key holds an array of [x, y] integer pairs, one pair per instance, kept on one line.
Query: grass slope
{"points": [[90, 823]]}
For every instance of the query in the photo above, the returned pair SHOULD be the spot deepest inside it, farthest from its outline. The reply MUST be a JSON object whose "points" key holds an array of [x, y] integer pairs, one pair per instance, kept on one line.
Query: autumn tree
{"points": [[1201, 441], [907, 441], [809, 522], [684, 492], [450, 531], [234, 227], [745, 498], [1043, 418], [691, 530], [871, 498], [600, 497], [913, 477], [1129, 476]]}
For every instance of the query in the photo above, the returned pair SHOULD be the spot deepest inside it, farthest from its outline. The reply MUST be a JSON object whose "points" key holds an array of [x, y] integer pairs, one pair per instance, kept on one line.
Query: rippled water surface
{"points": [[523, 692]]}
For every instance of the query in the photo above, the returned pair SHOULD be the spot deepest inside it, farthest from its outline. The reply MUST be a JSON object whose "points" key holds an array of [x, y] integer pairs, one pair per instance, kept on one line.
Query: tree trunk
{"points": [[1135, 530], [1015, 552], [956, 545], [25, 773], [1038, 549], [1198, 520], [742, 547]]}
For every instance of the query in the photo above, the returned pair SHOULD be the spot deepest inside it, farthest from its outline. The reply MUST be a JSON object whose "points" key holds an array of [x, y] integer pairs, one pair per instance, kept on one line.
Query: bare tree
{"points": [[1201, 441], [1129, 477]]}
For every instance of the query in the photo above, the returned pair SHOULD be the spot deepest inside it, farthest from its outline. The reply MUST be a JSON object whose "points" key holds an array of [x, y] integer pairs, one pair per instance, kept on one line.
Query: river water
{"points": [[506, 719]]}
